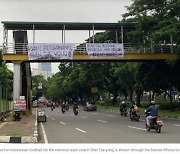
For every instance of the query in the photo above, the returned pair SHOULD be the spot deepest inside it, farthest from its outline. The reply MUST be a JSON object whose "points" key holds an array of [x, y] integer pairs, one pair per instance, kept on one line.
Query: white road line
{"points": [[47, 116], [83, 117], [52, 118], [44, 134], [71, 114], [136, 128], [94, 113], [101, 121], [63, 123], [80, 130], [177, 125], [111, 115]]}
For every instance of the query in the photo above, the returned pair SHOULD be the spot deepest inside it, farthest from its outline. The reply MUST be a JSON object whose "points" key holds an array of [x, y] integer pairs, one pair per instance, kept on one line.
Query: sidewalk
{"points": [[23, 131]]}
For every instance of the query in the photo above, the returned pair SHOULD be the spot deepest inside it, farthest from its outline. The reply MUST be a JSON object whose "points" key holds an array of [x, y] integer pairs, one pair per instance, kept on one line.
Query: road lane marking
{"points": [[44, 134], [177, 125], [47, 116], [52, 118], [101, 121], [63, 123], [83, 117], [111, 115], [80, 130], [136, 128]]}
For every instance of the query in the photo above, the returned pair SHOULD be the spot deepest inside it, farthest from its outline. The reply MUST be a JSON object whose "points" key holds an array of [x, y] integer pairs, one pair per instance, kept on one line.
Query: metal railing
{"points": [[12, 48]]}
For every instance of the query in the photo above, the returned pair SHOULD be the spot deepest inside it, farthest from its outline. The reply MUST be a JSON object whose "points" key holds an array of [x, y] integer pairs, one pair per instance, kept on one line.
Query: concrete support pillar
{"points": [[17, 80]]}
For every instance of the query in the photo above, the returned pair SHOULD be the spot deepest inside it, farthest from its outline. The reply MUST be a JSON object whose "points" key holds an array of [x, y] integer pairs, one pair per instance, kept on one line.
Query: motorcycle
{"points": [[134, 115], [75, 111], [52, 108], [123, 112], [67, 107], [17, 116], [155, 123], [63, 109]]}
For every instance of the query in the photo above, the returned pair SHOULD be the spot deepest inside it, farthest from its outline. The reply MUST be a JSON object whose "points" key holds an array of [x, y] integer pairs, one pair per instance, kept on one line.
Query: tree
{"points": [[6, 76], [126, 78], [157, 22], [37, 82]]}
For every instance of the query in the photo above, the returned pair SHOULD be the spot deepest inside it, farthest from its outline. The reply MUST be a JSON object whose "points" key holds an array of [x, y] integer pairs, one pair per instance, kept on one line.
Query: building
{"points": [[43, 69]]}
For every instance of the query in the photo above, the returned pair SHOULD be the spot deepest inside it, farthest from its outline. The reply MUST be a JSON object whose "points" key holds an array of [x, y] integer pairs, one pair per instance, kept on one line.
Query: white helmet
{"points": [[152, 102], [123, 102]]}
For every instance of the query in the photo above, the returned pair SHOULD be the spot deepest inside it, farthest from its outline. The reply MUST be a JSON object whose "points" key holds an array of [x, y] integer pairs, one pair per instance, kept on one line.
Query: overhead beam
{"points": [[85, 57]]}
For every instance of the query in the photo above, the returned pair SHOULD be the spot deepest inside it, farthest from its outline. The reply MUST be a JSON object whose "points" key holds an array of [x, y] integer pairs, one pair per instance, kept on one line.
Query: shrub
{"points": [[145, 104]]}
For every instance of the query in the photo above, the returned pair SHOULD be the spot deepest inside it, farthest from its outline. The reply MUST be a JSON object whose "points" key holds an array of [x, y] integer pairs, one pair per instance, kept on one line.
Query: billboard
{"points": [[20, 105], [50, 51], [105, 50]]}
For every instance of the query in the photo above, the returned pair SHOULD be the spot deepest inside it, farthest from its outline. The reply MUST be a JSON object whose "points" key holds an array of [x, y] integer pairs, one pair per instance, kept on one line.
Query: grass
{"points": [[168, 113]]}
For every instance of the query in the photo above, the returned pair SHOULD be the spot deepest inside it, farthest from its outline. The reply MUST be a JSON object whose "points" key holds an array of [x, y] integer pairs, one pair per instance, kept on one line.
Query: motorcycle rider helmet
{"points": [[153, 103], [123, 102]]}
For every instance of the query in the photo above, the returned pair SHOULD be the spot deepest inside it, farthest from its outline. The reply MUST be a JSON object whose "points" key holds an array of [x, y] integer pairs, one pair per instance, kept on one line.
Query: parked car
{"points": [[35, 103], [90, 107]]}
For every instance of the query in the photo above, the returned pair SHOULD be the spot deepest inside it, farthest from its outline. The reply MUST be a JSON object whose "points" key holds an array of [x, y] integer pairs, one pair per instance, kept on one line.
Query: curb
{"points": [[36, 131], [24, 139]]}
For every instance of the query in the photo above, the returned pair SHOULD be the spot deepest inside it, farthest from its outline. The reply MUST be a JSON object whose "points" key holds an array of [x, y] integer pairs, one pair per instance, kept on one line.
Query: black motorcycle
{"points": [[17, 116], [134, 115], [123, 112], [52, 108], [155, 123], [63, 109]]}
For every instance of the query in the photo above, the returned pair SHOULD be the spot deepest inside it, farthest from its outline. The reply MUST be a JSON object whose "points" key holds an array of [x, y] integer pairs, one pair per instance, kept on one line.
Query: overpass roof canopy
{"points": [[23, 25]]}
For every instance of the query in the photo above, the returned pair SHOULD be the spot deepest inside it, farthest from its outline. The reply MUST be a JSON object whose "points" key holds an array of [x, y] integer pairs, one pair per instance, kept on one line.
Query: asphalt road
{"points": [[103, 127]]}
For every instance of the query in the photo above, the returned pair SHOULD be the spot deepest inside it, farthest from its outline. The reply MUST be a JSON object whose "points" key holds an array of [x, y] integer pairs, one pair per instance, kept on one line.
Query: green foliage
{"points": [[145, 104], [169, 106], [36, 80], [165, 104], [6, 77], [157, 23]]}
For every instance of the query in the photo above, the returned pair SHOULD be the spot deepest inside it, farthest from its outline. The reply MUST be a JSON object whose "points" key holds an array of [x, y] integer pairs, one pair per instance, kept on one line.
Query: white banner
{"points": [[105, 50], [50, 51]]}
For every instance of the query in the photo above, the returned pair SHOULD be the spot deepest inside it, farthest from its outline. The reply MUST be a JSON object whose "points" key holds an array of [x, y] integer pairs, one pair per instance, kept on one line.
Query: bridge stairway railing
{"points": [[12, 48]]}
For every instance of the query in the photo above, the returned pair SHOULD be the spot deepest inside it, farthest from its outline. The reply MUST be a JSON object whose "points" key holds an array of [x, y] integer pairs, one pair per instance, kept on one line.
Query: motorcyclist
{"points": [[123, 106], [75, 106], [133, 108], [67, 106], [52, 106], [63, 105], [152, 112]]}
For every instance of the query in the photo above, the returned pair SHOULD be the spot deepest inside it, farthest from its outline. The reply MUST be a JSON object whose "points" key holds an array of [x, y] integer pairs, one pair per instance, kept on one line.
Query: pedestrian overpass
{"points": [[16, 52]]}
